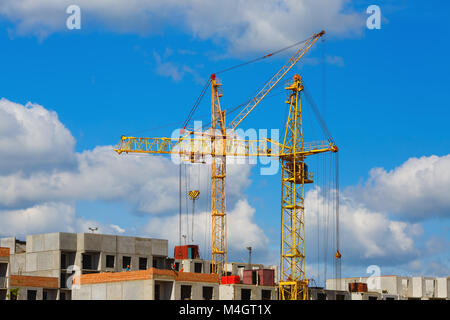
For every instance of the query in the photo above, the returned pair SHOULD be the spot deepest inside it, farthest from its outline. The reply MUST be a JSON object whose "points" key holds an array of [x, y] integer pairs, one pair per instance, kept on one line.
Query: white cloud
{"points": [[147, 182], [242, 229], [174, 70], [366, 236], [117, 228], [416, 190], [33, 138], [246, 25], [167, 69], [46, 217]]}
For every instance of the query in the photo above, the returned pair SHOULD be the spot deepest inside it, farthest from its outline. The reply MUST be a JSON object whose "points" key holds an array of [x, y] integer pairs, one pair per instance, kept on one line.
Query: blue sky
{"points": [[386, 102]]}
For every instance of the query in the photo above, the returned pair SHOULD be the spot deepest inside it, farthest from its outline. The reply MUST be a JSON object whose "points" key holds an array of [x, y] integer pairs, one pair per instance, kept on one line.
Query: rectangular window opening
{"points": [[246, 294], [110, 261], [126, 262], [185, 292], [142, 263]]}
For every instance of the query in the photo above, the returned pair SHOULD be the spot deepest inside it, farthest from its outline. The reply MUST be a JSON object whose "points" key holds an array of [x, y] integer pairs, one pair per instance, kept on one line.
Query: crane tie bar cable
{"points": [[262, 57], [200, 97], [196, 104], [317, 113]]}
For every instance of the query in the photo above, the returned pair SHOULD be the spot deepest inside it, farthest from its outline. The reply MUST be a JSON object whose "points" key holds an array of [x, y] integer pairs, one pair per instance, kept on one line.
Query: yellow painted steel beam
{"points": [[293, 284], [218, 182], [206, 146]]}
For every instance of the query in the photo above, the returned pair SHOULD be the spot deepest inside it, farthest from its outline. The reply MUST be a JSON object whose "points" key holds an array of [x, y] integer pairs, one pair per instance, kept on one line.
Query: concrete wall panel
{"points": [[17, 263], [160, 247], [31, 262], [108, 243], [417, 287], [9, 243], [35, 243], [84, 293], [51, 241], [133, 290], [114, 291], [92, 242], [47, 260], [143, 246], [67, 241], [99, 291], [125, 245], [226, 292]]}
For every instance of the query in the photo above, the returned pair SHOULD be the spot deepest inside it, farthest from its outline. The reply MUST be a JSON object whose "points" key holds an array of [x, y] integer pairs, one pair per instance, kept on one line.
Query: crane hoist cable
{"points": [[338, 253], [193, 195], [179, 199], [186, 202]]}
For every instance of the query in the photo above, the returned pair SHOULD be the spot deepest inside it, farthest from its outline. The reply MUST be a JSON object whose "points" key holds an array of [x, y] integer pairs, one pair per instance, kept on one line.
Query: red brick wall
{"points": [[197, 277], [114, 276], [33, 281], [146, 275], [4, 252]]}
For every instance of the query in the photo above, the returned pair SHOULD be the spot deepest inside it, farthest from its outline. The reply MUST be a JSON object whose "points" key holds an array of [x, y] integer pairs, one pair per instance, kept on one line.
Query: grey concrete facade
{"points": [[241, 291], [323, 294], [144, 290], [397, 287], [62, 254]]}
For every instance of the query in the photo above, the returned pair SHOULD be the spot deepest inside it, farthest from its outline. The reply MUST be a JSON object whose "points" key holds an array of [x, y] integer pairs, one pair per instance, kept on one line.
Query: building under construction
{"points": [[64, 266], [87, 266], [218, 142]]}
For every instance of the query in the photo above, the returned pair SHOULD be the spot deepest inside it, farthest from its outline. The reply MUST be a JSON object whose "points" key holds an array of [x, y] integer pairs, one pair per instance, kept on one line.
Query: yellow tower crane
{"points": [[220, 143]]}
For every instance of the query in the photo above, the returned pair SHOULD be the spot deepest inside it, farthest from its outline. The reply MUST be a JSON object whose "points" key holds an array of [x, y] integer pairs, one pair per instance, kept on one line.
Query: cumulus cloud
{"points": [[416, 190], [367, 236], [46, 217], [245, 25], [35, 219], [146, 182], [32, 138], [40, 192], [242, 229]]}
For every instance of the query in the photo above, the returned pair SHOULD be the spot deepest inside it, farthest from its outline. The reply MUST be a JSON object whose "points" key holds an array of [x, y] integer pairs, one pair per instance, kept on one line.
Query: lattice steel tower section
{"points": [[218, 181], [293, 284]]}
